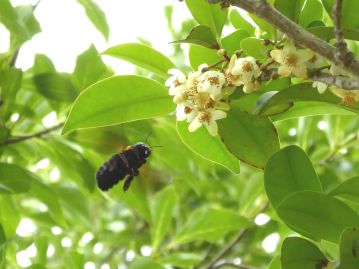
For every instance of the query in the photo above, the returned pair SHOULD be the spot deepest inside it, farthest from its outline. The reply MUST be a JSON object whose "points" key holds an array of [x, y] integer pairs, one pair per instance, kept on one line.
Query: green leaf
{"points": [[349, 249], [291, 9], [2, 247], [231, 42], [349, 19], [96, 16], [317, 215], [89, 69], [145, 263], [348, 190], [10, 83], [243, 133], [274, 110], [55, 86], [162, 206], [201, 55], [275, 263], [208, 14], [311, 11], [262, 24], [209, 224], [255, 47], [43, 64], [327, 33], [201, 35], [117, 100], [207, 146], [9, 216], [182, 259], [298, 253], [19, 21], [241, 23], [288, 171], [50, 199], [304, 92], [142, 56], [14, 179]]}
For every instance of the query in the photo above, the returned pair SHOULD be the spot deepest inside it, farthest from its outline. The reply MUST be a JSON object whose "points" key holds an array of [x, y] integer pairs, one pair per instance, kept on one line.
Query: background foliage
{"points": [[298, 152]]}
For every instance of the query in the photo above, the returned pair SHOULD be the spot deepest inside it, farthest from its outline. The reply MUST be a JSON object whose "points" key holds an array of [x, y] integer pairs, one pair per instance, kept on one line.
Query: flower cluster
{"points": [[200, 95]]}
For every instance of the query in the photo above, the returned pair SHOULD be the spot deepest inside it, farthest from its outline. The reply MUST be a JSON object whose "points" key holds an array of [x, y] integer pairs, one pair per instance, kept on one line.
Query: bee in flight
{"points": [[121, 165]]}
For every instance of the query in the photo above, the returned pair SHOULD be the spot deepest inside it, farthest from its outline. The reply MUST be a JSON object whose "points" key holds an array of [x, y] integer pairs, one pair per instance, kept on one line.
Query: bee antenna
{"points": [[157, 147], [148, 136]]}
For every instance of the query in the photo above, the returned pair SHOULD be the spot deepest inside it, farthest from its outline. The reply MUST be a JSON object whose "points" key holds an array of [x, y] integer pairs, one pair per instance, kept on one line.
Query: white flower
{"points": [[186, 111], [208, 118], [320, 86], [212, 83], [243, 71], [349, 97], [176, 82], [292, 60]]}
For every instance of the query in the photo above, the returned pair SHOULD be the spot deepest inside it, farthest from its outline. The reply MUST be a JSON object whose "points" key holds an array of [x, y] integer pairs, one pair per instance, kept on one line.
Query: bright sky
{"points": [[66, 31]]}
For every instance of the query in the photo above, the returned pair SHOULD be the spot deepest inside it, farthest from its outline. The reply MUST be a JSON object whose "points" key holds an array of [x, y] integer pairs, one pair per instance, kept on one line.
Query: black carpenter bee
{"points": [[122, 164]]}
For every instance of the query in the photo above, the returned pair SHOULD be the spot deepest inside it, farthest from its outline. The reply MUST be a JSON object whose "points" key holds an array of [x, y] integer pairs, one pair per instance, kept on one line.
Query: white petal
{"points": [[169, 81], [218, 114], [300, 71], [192, 115], [202, 66], [194, 125], [277, 55], [284, 71], [180, 114], [212, 127]]}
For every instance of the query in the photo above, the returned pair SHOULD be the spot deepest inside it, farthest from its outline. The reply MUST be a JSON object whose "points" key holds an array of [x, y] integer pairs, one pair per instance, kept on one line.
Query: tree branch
{"points": [[301, 36], [338, 81], [26, 137]]}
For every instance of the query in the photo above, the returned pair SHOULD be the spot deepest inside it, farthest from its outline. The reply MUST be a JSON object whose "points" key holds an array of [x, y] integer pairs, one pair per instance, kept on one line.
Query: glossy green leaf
{"points": [[55, 86], [348, 190], [14, 179], [317, 214], [89, 69], [142, 56], [242, 133], [96, 16], [231, 42], [290, 9], [117, 100], [274, 110], [312, 11], [255, 47], [349, 249], [162, 206], [298, 253], [304, 92], [275, 263], [327, 33], [201, 55], [209, 224], [208, 14], [350, 19], [9, 216], [201, 35], [46, 195], [262, 24], [207, 146], [288, 171], [241, 23]]}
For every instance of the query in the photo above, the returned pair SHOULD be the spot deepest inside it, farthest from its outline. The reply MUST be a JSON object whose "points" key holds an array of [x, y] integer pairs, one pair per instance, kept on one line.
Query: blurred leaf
{"points": [[349, 20], [117, 100], [349, 190], [317, 214], [10, 83], [9, 217], [14, 179], [349, 249], [162, 205], [327, 33], [209, 224], [288, 171], [201, 35], [291, 9], [304, 92], [231, 42], [96, 16], [275, 263], [55, 86], [89, 69], [142, 56], [208, 147], [2, 247], [241, 23], [50, 199], [182, 259], [75, 259], [41, 243], [208, 14], [298, 253], [145, 263], [255, 47], [243, 133], [20, 21], [262, 24], [200, 55], [43, 64], [311, 11]]}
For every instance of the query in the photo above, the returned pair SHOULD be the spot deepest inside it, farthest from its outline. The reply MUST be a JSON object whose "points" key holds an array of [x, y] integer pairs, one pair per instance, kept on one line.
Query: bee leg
{"points": [[129, 179]]}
